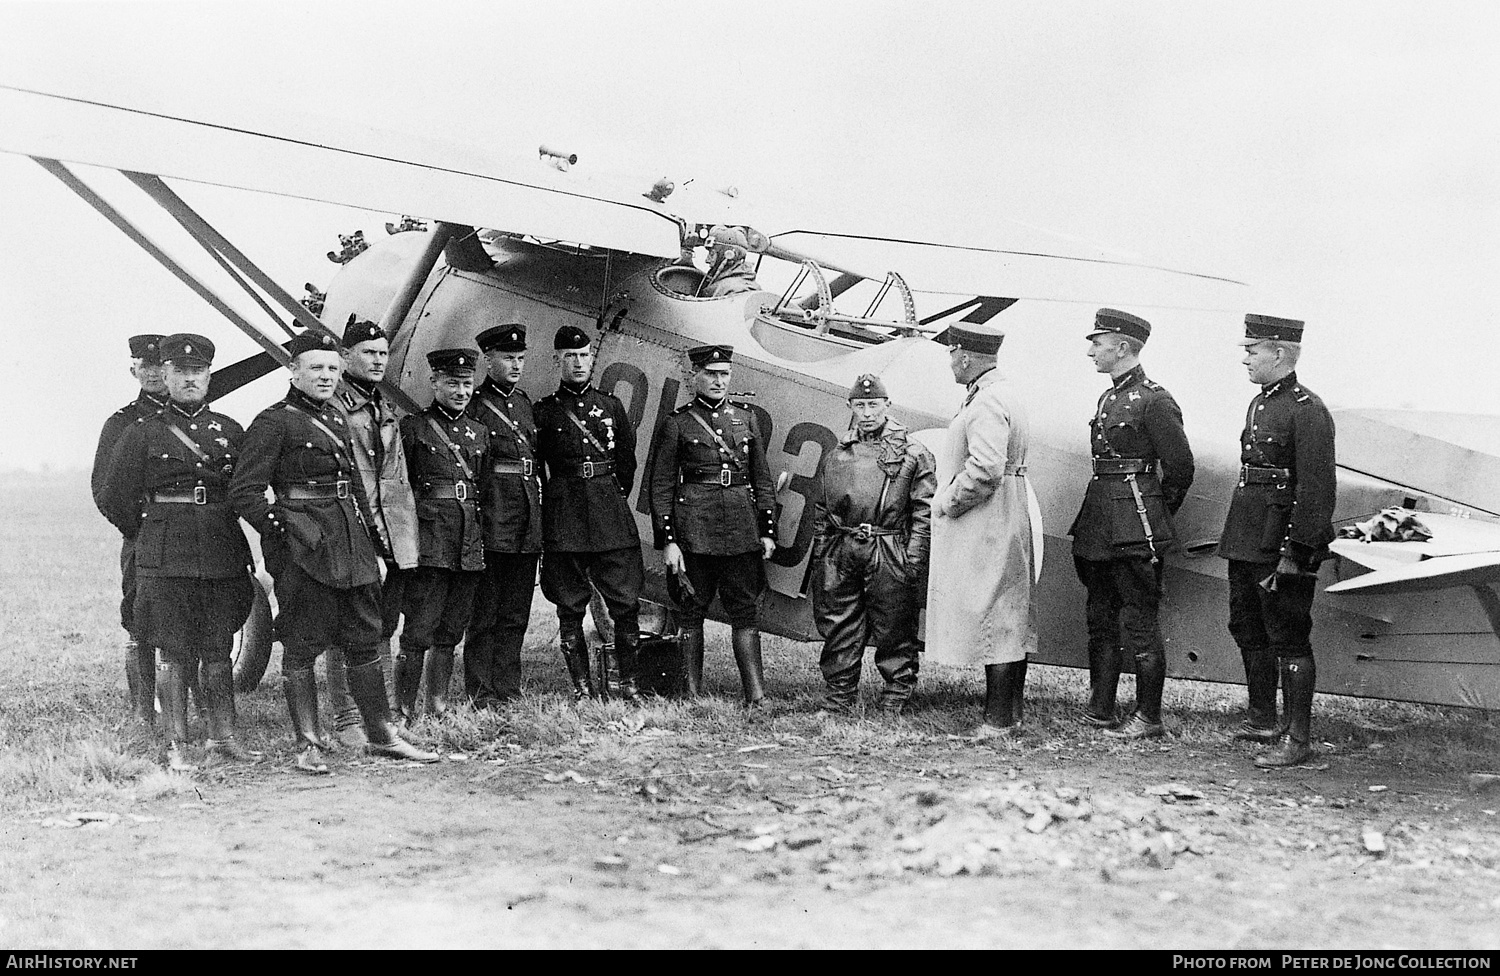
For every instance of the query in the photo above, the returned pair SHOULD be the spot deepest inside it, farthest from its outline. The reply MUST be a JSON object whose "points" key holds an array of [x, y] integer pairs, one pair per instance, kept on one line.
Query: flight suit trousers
{"points": [[862, 601], [497, 629]]}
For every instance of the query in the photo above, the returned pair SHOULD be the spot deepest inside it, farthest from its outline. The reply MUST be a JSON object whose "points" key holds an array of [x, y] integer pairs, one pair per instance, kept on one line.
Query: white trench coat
{"points": [[979, 601]]}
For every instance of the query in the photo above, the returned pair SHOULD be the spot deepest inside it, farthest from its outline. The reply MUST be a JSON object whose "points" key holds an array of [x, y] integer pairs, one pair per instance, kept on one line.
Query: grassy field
{"points": [[671, 800]]}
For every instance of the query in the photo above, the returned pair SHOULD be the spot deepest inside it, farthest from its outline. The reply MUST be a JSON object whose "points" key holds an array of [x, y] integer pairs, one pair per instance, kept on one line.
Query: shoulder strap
{"points": [[738, 464], [178, 433], [338, 442], [583, 427], [521, 441], [454, 449]]}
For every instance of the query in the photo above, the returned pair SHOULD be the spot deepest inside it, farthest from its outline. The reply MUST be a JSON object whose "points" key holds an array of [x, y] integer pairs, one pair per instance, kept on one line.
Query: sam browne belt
{"points": [[588, 469], [724, 477], [1108, 465], [1250, 474], [326, 489], [524, 467], [201, 495], [456, 490]]}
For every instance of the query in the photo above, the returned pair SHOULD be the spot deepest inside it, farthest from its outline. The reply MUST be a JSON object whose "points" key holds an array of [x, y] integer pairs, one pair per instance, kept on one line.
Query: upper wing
{"points": [[338, 164], [1061, 272]]}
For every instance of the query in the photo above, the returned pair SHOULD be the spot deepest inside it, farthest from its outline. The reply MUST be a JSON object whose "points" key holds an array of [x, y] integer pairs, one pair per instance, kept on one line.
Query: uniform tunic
{"points": [[1282, 508], [444, 463], [588, 529], [192, 560], [871, 535], [512, 525], [1136, 418], [109, 437], [979, 605], [318, 549], [716, 501]]}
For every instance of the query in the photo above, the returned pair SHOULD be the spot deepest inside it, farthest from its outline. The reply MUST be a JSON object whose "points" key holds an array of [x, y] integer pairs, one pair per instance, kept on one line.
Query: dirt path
{"points": [[646, 837]]}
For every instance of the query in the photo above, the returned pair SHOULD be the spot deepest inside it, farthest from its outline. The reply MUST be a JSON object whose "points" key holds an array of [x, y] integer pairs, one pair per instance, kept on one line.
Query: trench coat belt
{"points": [[1015, 471], [1110, 465], [457, 490], [324, 489], [1251, 474], [724, 477], [201, 495], [588, 469], [524, 467]]}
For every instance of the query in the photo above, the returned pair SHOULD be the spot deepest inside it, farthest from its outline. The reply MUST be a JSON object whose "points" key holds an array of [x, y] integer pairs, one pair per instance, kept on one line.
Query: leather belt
{"points": [[864, 531], [588, 469], [1252, 475], [525, 467], [456, 490], [327, 489], [1106, 465], [1015, 471], [724, 477], [201, 495]]}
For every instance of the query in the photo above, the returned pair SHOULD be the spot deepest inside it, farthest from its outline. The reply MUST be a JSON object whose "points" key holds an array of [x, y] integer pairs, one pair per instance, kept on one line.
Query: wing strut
{"points": [[122, 222]]}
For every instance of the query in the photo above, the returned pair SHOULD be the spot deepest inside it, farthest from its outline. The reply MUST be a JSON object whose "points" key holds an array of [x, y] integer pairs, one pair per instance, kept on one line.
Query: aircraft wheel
{"points": [[252, 650]]}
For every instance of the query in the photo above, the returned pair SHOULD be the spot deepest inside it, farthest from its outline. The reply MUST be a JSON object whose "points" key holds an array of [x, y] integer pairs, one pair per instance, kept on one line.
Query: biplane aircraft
{"points": [[534, 239]]}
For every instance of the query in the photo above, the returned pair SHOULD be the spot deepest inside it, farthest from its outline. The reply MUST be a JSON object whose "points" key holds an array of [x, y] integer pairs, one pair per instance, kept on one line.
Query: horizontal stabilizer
{"points": [[1439, 573], [338, 163]]}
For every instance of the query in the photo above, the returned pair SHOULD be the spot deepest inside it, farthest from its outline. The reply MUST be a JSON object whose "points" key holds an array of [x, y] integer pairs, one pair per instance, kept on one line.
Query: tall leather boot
{"points": [[172, 685], [347, 728], [437, 671], [195, 691], [692, 661], [218, 689], [575, 652], [140, 675], [628, 652], [1018, 692], [1301, 677], [408, 682], [1260, 686], [1000, 683], [1283, 723], [367, 686], [607, 679], [301, 689], [746, 643], [1104, 683]]}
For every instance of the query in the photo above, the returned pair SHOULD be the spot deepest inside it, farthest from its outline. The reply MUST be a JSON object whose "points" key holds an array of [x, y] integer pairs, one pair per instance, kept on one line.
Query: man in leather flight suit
{"points": [[1125, 527], [446, 453], [1276, 535], [318, 549], [872, 528], [140, 659], [587, 443], [713, 515], [373, 433], [511, 522], [166, 490]]}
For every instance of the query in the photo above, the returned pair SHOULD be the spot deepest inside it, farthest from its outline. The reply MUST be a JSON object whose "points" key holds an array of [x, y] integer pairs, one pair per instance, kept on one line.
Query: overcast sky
{"points": [[1342, 157]]}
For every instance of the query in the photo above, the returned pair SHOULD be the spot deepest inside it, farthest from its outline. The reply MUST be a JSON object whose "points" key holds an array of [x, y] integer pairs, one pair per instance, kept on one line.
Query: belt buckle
{"points": [[865, 531], [726, 477], [341, 489], [461, 490], [588, 469], [200, 495], [528, 467]]}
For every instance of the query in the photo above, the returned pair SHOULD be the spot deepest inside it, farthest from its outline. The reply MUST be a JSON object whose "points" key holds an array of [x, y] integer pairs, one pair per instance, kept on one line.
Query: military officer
{"points": [[1276, 534], [140, 659], [713, 515], [166, 489], [318, 549], [872, 527], [587, 444], [1142, 469], [446, 453], [378, 454], [512, 522]]}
